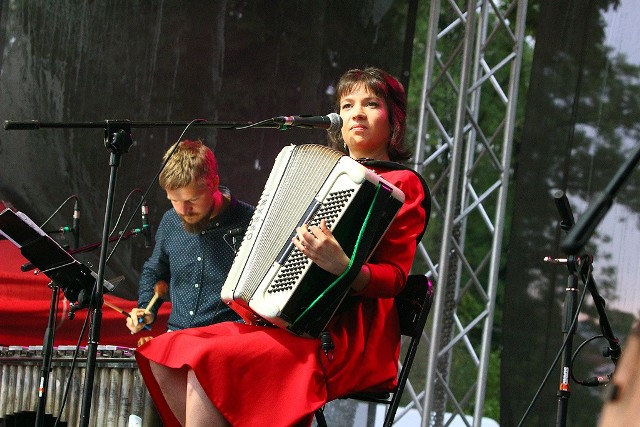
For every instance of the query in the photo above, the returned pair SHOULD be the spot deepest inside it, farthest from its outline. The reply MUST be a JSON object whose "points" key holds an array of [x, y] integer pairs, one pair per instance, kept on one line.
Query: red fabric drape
{"points": [[25, 300]]}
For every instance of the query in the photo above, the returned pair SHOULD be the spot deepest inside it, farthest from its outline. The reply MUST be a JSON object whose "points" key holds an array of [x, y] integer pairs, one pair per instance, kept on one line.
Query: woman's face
{"points": [[366, 128]]}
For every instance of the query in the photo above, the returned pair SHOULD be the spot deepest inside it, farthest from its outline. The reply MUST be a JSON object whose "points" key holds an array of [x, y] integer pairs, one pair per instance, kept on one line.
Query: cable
{"points": [[73, 196], [589, 382], [555, 360], [74, 360], [155, 178], [256, 124], [124, 204]]}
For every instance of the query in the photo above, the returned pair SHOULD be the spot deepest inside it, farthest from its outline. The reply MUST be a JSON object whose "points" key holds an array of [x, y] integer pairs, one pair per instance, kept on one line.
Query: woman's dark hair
{"points": [[387, 87]]}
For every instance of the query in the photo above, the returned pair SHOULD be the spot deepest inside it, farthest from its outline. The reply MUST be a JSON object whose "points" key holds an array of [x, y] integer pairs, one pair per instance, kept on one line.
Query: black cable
{"points": [[73, 361], [589, 382], [73, 196], [555, 360], [150, 186]]}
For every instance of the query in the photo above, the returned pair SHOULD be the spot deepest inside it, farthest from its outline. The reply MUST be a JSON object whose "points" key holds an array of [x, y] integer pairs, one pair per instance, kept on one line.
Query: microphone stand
{"points": [[614, 351], [47, 354], [584, 228], [581, 266], [570, 308], [569, 311], [36, 124], [117, 140]]}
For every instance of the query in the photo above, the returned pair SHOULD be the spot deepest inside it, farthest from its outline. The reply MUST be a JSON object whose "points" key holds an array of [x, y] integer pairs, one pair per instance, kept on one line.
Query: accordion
{"points": [[271, 281]]}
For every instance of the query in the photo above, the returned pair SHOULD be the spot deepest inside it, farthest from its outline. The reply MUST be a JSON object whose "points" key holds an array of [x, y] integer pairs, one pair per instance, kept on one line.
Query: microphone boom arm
{"points": [[584, 228]]}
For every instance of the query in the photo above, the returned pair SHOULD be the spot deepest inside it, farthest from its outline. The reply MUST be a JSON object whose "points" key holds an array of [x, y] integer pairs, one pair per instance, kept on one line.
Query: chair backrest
{"points": [[413, 304]]}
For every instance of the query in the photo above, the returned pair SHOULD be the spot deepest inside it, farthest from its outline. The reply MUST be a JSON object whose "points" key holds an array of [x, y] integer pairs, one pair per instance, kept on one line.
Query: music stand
{"points": [[66, 273]]}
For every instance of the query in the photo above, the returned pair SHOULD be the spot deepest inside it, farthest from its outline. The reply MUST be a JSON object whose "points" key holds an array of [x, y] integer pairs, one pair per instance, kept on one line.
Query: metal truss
{"points": [[465, 131]]}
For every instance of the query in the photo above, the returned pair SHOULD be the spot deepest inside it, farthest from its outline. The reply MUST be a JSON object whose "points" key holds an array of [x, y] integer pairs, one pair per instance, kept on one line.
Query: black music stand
{"points": [[66, 273]]}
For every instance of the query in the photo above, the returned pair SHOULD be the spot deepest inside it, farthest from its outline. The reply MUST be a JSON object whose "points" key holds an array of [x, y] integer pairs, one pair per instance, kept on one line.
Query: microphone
{"points": [[27, 267], [564, 208], [146, 230], [331, 122], [75, 225], [327, 344], [234, 232]]}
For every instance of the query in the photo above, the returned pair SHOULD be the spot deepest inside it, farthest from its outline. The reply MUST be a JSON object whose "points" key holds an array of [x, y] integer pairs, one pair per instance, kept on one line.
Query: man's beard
{"points": [[198, 227]]}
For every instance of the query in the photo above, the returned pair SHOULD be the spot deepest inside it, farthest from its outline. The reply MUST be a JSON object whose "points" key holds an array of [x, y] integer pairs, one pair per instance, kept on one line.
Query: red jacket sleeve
{"points": [[390, 263]]}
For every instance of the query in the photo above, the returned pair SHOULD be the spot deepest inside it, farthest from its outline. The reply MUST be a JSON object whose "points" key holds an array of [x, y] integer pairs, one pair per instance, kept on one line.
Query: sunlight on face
{"points": [[366, 129]]}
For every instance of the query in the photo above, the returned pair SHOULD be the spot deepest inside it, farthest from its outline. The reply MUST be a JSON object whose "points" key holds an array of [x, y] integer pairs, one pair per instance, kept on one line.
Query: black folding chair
{"points": [[413, 304]]}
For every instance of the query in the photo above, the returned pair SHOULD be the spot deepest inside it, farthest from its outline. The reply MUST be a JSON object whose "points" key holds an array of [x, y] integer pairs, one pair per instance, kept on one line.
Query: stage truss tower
{"points": [[473, 56]]}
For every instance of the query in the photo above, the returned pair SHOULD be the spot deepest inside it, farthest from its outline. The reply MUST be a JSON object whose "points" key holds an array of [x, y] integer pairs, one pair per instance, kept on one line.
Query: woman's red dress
{"points": [[259, 376]]}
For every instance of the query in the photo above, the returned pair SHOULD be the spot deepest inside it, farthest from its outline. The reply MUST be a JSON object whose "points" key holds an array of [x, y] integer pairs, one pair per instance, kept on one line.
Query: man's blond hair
{"points": [[192, 161]]}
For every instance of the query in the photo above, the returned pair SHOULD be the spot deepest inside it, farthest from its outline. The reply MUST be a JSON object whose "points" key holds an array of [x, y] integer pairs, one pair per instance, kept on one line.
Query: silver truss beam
{"points": [[466, 159]]}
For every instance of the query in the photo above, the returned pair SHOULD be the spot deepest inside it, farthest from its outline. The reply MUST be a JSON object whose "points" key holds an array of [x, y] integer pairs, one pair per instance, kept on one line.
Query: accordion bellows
{"points": [[272, 282]]}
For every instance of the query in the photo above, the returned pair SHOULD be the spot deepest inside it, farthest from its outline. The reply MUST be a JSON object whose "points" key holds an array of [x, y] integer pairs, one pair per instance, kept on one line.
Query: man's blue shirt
{"points": [[195, 266]]}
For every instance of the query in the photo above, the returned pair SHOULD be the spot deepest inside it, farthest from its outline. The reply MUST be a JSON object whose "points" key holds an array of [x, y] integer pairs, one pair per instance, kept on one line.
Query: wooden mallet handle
{"points": [[119, 310], [160, 290]]}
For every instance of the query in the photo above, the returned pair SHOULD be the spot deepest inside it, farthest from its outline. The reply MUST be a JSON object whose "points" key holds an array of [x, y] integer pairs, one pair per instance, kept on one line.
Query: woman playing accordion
{"points": [[244, 374]]}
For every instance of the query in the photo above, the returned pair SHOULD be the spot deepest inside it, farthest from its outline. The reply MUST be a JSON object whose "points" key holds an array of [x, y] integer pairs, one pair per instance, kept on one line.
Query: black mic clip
{"points": [[326, 343], [79, 300], [597, 381], [234, 234]]}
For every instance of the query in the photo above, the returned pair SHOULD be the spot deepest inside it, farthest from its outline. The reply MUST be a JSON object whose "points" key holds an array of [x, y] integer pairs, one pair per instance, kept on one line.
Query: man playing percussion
{"points": [[194, 243], [252, 375]]}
